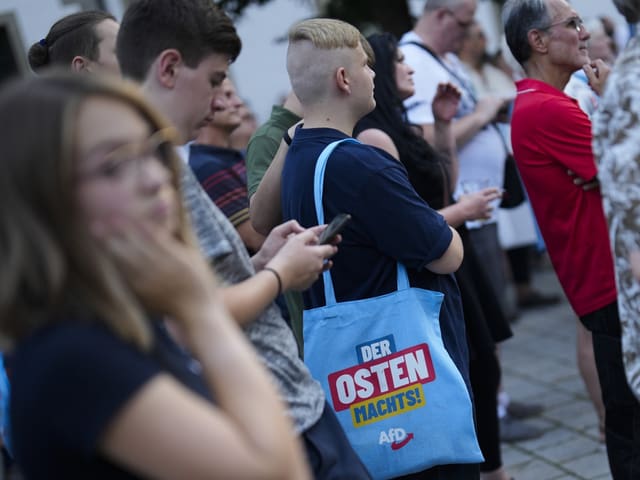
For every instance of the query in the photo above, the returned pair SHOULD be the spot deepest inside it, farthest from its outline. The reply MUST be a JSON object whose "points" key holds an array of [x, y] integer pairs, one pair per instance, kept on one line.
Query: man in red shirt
{"points": [[551, 139]]}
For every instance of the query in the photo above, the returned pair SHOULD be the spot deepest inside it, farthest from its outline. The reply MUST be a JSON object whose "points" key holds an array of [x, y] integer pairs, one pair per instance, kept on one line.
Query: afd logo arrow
{"points": [[399, 445]]}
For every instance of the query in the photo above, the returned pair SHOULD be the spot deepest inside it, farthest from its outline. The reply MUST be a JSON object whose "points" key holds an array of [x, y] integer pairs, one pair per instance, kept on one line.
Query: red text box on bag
{"points": [[383, 387]]}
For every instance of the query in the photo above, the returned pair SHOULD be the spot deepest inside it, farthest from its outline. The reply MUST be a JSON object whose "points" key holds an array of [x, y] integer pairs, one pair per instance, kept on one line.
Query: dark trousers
{"points": [[622, 410], [520, 264], [487, 247], [329, 452], [485, 373], [446, 472]]}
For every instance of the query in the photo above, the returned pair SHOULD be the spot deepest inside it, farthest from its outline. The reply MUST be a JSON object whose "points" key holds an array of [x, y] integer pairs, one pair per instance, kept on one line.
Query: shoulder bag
{"points": [[394, 388]]}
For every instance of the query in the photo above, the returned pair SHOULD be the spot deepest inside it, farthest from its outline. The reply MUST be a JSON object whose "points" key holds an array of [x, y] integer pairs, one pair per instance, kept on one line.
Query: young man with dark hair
{"points": [[151, 28], [179, 51]]}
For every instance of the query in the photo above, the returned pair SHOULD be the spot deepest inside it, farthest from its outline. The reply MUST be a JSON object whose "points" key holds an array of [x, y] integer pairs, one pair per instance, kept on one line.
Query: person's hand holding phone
{"points": [[334, 228], [301, 259]]}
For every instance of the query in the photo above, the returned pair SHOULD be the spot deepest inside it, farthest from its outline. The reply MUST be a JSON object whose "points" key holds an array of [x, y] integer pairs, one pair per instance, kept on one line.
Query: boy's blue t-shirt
{"points": [[390, 223]]}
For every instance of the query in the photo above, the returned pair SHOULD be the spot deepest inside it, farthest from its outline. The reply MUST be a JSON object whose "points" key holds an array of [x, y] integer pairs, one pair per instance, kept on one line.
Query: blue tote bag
{"points": [[382, 364]]}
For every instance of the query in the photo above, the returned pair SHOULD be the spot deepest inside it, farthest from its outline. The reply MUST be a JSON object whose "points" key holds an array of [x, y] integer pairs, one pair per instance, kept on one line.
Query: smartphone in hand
{"points": [[334, 228]]}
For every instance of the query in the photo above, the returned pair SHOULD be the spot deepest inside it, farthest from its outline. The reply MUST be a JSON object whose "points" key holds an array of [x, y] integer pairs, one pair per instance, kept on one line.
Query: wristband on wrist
{"points": [[278, 278], [287, 138]]}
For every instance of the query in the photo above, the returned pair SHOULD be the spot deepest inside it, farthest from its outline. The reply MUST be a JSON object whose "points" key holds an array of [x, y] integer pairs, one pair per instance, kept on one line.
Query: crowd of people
{"points": [[164, 260]]}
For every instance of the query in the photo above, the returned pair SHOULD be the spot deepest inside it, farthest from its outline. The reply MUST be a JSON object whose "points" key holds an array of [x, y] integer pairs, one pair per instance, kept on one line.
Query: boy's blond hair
{"points": [[325, 33], [317, 47]]}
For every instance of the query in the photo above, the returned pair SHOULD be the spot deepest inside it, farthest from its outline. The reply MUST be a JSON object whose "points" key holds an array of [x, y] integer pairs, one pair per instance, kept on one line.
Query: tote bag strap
{"points": [[318, 179], [318, 190]]}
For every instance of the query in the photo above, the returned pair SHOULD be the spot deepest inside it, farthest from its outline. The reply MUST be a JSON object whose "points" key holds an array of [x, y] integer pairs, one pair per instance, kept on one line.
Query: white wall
{"points": [[35, 17], [260, 71], [116, 7]]}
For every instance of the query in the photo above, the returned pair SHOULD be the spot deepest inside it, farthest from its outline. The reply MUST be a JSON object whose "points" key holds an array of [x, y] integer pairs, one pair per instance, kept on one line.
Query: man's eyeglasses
{"points": [[574, 23], [127, 159], [462, 24]]}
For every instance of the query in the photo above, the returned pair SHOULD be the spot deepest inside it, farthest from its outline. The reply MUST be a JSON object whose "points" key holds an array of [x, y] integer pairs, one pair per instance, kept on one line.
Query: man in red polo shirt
{"points": [[551, 139]]}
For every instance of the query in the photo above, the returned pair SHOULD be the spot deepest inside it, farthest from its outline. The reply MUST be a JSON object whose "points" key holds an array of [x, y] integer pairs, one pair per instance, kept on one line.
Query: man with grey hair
{"points": [[551, 135], [616, 127]]}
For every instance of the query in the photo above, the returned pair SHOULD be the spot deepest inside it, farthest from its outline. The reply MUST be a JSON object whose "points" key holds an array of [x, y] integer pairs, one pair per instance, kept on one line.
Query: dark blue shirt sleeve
{"points": [[402, 225]]}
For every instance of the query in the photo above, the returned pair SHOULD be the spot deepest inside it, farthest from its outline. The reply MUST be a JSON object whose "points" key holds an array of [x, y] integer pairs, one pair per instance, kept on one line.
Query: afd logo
{"points": [[396, 437]]}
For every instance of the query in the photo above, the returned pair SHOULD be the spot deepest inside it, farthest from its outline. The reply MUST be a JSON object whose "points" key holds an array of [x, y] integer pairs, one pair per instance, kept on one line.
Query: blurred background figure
{"points": [[487, 79], [600, 46], [240, 137], [83, 41], [612, 32], [220, 168]]}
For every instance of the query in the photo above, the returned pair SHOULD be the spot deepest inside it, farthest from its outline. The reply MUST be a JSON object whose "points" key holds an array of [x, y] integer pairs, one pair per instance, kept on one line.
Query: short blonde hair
{"points": [[317, 47], [325, 33]]}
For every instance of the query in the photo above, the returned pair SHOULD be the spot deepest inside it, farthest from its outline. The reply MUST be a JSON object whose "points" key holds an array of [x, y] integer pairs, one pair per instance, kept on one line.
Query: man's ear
{"points": [[80, 64], [167, 67], [342, 80], [441, 13], [537, 41]]}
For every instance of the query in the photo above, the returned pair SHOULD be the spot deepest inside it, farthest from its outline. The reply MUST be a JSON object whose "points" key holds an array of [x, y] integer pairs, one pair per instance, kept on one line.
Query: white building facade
{"points": [[259, 72]]}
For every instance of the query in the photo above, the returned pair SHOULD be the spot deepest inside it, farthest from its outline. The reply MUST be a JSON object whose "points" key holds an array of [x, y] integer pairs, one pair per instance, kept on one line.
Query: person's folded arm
{"points": [[450, 261]]}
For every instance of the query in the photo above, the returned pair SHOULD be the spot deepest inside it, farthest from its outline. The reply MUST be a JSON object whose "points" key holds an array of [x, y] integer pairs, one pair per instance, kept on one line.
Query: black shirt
{"points": [[68, 382]]}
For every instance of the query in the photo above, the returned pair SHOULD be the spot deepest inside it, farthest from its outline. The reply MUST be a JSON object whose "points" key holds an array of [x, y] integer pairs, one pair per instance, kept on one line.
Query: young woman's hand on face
{"points": [[445, 102], [173, 278], [167, 275]]}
